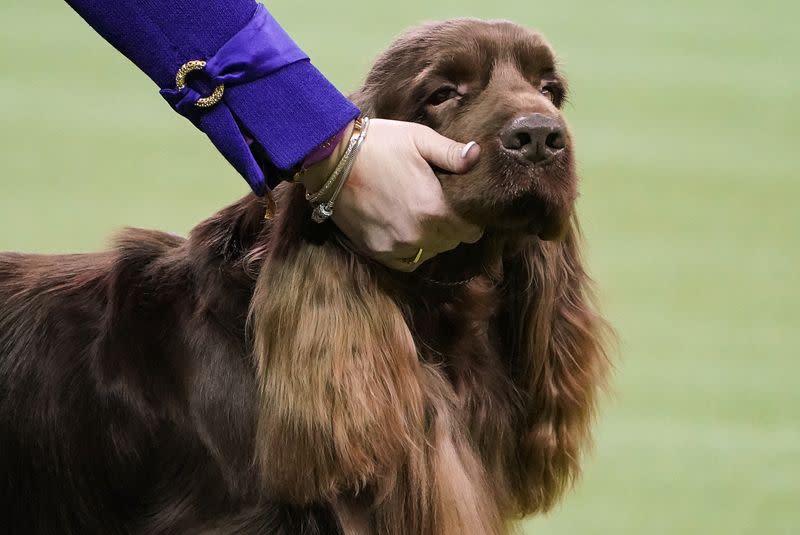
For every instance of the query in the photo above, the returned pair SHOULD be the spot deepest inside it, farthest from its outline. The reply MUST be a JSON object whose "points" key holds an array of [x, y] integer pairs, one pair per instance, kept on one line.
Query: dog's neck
{"points": [[241, 237], [458, 267]]}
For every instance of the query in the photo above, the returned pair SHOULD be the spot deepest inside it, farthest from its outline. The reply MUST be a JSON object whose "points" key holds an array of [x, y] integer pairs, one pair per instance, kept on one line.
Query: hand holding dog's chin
{"points": [[392, 204]]}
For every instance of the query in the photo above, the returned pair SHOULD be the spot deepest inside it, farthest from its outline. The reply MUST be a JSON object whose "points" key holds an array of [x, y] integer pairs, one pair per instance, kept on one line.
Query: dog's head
{"points": [[350, 325], [498, 84]]}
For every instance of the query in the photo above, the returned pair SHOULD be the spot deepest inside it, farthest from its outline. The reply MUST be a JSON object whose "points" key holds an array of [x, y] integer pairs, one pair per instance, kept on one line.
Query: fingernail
{"points": [[467, 148]]}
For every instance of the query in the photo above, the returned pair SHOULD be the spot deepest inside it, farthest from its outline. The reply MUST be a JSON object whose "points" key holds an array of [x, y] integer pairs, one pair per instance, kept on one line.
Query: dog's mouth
{"points": [[531, 214], [509, 194], [536, 198]]}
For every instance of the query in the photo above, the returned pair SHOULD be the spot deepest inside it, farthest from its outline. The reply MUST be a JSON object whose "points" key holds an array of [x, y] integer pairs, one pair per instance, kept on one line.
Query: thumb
{"points": [[445, 153]]}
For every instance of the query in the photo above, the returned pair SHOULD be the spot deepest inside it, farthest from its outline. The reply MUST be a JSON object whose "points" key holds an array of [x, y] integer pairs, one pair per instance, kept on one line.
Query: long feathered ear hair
{"points": [[556, 340], [341, 401]]}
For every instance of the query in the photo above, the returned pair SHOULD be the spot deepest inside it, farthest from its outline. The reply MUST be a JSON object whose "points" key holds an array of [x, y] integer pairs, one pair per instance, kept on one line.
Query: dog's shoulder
{"points": [[26, 278], [143, 256], [77, 291], [23, 276], [146, 242]]}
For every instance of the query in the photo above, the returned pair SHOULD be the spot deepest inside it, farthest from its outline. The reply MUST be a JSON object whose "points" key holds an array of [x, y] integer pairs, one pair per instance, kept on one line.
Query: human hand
{"points": [[392, 204]]}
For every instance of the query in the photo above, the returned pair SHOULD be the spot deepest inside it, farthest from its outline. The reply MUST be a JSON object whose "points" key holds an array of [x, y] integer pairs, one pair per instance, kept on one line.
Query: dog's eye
{"points": [[554, 92], [549, 92], [442, 95]]}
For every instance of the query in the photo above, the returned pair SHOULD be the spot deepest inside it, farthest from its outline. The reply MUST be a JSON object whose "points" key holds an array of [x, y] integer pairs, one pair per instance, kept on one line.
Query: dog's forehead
{"points": [[500, 37], [475, 45]]}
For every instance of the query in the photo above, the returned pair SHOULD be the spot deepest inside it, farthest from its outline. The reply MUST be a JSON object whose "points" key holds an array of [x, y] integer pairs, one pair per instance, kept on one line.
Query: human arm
{"points": [[288, 111], [391, 211]]}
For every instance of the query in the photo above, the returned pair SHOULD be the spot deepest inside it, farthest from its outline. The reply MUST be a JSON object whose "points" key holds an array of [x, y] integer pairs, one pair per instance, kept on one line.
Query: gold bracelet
{"points": [[303, 168], [331, 181], [324, 210]]}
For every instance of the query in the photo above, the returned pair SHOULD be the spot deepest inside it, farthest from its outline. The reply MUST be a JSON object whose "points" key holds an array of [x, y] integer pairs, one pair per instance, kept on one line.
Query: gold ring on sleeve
{"points": [[180, 83]]}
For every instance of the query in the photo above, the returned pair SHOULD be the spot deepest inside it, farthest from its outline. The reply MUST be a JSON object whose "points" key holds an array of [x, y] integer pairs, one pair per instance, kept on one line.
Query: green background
{"points": [[686, 117]]}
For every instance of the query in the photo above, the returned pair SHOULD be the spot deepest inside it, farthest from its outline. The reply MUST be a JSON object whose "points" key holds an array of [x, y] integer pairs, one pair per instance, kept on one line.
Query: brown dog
{"points": [[136, 397]]}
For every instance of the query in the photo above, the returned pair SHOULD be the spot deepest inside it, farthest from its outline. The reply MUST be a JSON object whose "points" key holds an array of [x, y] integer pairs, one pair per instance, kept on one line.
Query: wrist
{"points": [[314, 176]]}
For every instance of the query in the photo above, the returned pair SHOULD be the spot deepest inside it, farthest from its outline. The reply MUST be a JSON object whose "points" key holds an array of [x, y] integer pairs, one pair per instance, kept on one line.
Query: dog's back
{"points": [[126, 389], [89, 398], [71, 435], [35, 290]]}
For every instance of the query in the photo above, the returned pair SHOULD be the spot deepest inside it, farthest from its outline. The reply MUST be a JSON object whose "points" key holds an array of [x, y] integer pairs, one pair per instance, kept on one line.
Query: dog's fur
{"points": [[260, 377]]}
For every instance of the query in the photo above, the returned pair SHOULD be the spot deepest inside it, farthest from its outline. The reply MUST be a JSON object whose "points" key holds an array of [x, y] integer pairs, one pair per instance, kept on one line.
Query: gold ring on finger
{"points": [[413, 260]]}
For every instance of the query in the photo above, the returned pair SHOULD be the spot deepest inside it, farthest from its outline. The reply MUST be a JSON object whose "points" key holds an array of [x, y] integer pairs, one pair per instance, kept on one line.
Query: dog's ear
{"points": [[366, 99], [555, 339], [341, 401], [232, 232]]}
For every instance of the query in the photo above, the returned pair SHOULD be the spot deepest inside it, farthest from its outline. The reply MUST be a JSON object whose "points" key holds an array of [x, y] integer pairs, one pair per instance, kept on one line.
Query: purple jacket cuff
{"points": [[288, 111]]}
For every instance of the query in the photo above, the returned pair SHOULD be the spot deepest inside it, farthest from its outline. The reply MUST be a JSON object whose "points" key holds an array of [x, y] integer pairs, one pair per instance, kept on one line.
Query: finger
{"points": [[410, 259], [455, 228], [443, 247], [416, 255], [444, 152], [399, 264], [425, 253], [470, 233]]}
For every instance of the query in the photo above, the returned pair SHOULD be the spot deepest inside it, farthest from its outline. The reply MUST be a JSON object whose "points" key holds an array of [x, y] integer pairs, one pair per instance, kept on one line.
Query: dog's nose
{"points": [[536, 137]]}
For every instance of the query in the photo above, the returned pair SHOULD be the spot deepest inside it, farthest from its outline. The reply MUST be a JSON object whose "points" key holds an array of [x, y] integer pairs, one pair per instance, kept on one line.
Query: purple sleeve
{"points": [[288, 111]]}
